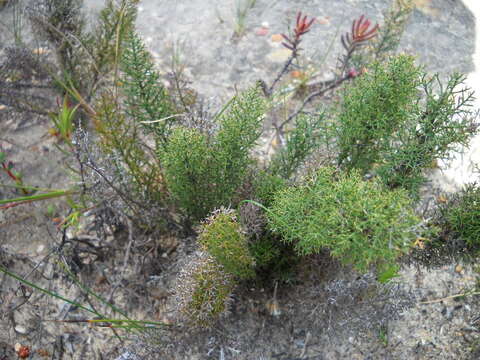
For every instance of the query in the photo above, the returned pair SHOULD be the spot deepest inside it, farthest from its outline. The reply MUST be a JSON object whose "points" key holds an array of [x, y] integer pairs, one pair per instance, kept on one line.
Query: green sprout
{"points": [[63, 121]]}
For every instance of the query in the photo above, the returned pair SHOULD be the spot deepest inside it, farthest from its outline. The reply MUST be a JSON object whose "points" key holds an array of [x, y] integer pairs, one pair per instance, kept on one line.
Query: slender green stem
{"points": [[28, 187], [90, 292], [257, 204], [119, 321], [38, 197], [48, 292]]}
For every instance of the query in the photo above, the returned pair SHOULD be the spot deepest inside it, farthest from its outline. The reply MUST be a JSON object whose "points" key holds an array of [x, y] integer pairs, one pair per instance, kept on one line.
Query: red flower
{"points": [[301, 28], [361, 32]]}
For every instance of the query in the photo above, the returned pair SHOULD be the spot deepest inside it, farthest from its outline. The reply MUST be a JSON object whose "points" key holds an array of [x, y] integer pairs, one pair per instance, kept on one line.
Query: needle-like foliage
{"points": [[147, 101], [203, 172], [396, 120], [360, 222]]}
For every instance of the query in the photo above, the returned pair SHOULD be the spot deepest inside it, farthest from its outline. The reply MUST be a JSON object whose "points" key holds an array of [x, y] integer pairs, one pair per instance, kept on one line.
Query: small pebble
{"points": [[5, 146], [324, 20], [273, 308], [40, 51], [297, 74], [279, 56], [261, 31], [277, 38], [21, 329]]}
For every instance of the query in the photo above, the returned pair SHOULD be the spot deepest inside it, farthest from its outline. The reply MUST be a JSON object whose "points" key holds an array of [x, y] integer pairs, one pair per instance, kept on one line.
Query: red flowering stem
{"points": [[302, 26], [360, 33]]}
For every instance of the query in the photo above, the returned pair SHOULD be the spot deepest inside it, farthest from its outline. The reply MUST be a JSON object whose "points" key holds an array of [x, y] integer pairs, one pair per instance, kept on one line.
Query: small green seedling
{"points": [[63, 121]]}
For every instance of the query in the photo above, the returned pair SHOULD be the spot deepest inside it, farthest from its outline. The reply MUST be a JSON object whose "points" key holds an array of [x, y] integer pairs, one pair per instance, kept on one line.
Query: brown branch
{"points": [[312, 96]]}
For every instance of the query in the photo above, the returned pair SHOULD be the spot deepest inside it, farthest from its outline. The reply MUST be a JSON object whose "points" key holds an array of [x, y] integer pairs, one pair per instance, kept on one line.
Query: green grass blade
{"points": [[45, 291], [38, 197]]}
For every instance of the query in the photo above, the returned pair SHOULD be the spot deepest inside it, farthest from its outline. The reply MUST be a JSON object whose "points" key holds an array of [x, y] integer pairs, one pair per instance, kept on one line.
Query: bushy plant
{"points": [[266, 184], [203, 290], [273, 258], [301, 142], [120, 140], [376, 106], [84, 58], [204, 172], [396, 120], [442, 121], [223, 239], [461, 215], [265, 251], [147, 101], [360, 222], [186, 161]]}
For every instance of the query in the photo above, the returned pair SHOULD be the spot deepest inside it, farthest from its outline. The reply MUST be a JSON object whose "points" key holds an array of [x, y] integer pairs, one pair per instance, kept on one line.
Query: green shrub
{"points": [[265, 251], [441, 123], [391, 124], [203, 290], [462, 215], [377, 105], [223, 239], [266, 185], [300, 143], [129, 169], [147, 101], [396, 120], [274, 259], [203, 172], [359, 222], [186, 162]]}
